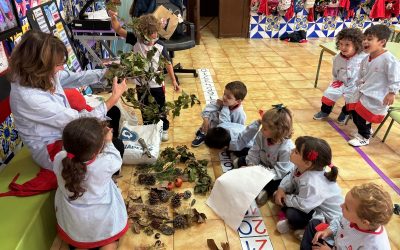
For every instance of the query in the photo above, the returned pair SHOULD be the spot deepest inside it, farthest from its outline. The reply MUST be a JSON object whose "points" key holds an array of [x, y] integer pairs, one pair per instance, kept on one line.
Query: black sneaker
{"points": [[198, 140], [342, 118], [198, 132]]}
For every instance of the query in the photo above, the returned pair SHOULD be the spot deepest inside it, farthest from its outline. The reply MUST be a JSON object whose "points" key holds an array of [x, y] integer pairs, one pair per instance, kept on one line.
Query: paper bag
{"points": [[169, 21], [234, 191]]}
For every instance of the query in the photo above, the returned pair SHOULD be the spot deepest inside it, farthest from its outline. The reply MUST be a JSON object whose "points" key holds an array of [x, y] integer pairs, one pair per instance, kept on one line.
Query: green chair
{"points": [[394, 113]]}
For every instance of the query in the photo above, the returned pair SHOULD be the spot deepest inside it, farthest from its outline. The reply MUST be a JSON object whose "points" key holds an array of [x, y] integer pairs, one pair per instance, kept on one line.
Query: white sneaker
{"points": [[358, 141], [299, 233], [283, 226], [164, 136]]}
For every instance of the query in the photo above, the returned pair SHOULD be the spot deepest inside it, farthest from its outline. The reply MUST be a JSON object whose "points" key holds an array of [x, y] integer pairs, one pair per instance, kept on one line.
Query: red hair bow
{"points": [[312, 155]]}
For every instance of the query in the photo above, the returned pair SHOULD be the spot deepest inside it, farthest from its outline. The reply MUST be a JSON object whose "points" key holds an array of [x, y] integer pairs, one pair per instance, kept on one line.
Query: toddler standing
{"points": [[345, 72], [378, 83]]}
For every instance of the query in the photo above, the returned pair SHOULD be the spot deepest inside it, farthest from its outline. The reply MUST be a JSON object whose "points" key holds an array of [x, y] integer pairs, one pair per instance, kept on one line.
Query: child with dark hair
{"points": [[366, 209], [271, 148], [308, 192], [89, 207], [143, 41], [345, 72], [226, 109], [377, 85], [236, 137]]}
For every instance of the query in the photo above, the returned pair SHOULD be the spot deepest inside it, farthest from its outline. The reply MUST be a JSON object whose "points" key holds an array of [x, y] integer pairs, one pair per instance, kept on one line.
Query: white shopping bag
{"points": [[134, 151]]}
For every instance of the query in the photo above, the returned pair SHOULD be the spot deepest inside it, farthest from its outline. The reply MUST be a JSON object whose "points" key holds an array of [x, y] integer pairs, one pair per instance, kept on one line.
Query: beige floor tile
{"points": [[196, 236]]}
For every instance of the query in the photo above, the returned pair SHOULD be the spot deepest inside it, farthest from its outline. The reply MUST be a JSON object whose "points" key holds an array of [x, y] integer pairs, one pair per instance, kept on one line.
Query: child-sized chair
{"points": [[394, 113]]}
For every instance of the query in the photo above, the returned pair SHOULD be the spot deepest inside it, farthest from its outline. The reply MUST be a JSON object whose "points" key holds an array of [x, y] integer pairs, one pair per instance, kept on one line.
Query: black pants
{"points": [[297, 219], [271, 187], [115, 114], [159, 97], [306, 242], [328, 109], [363, 127], [241, 153], [242, 161]]}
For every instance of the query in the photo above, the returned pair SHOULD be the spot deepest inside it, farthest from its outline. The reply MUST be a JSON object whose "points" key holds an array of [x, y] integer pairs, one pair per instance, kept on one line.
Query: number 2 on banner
{"points": [[246, 228]]}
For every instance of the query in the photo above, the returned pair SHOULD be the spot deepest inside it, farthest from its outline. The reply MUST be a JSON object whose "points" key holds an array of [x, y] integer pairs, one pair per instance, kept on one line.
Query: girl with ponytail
{"points": [[309, 192], [89, 207]]}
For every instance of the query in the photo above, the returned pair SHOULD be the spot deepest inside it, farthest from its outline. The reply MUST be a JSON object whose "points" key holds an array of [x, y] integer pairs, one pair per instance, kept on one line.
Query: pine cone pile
{"points": [[147, 179], [176, 201], [180, 222]]}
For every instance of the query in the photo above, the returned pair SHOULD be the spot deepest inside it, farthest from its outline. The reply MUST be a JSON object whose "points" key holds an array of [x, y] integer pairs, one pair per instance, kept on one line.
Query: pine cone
{"points": [[176, 201], [180, 222], [187, 194], [147, 179], [153, 198], [155, 224], [163, 196]]}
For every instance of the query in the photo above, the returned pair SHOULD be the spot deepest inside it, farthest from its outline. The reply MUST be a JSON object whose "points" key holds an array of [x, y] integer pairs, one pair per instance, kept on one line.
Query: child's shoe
{"points": [[164, 136], [320, 115], [283, 226], [358, 141], [342, 118], [198, 132], [299, 233], [262, 198], [198, 140]]}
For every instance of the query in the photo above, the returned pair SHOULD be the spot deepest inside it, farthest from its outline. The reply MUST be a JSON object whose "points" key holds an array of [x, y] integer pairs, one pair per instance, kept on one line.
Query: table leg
{"points": [[319, 67]]}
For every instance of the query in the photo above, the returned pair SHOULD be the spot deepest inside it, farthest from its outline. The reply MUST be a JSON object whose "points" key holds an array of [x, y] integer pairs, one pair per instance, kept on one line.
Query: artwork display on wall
{"points": [[270, 26]]}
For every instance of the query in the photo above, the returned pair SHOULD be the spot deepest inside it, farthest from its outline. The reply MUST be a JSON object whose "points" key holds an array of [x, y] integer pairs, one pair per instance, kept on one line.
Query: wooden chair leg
{"points": [[380, 125], [319, 67], [387, 131]]}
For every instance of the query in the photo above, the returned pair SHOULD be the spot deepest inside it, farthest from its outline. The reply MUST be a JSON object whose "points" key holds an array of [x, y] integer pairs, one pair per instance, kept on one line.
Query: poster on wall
{"points": [[48, 16], [41, 21], [3, 59]]}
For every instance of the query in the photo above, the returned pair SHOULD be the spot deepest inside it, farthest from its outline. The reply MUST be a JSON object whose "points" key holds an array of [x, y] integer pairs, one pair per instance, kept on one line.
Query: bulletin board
{"points": [[47, 18]]}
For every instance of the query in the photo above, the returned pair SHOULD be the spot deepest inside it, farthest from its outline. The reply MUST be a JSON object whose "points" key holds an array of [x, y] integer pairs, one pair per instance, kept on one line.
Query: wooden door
{"points": [[234, 18]]}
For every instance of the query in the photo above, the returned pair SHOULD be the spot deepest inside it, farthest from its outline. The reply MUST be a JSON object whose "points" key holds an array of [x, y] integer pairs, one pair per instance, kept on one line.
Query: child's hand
{"points": [[389, 99], [320, 246], [114, 21], [176, 86], [279, 197], [109, 135], [321, 235]]}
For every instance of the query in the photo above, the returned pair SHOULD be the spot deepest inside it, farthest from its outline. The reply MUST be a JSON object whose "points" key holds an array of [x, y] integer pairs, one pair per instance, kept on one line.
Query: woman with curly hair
{"points": [[89, 207], [346, 66]]}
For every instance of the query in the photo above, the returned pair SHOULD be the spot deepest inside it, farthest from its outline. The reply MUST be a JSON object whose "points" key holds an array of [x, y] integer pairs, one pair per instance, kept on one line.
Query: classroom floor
{"points": [[274, 72]]}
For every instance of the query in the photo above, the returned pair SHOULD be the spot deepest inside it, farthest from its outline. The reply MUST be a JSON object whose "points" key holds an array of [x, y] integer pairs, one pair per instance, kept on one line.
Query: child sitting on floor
{"points": [[89, 207], [365, 210], [229, 106], [345, 72], [271, 148], [237, 138], [377, 84], [308, 192]]}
